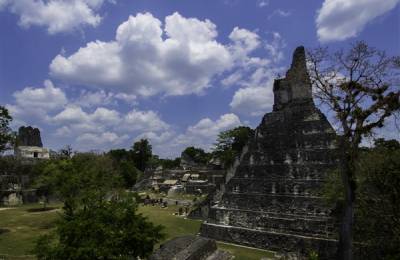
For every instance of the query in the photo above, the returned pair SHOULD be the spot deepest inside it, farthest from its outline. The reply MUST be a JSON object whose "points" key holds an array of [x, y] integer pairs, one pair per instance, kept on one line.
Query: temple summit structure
{"points": [[273, 201]]}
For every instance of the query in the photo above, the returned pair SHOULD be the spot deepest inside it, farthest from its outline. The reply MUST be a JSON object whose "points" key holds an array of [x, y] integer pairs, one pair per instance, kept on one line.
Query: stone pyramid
{"points": [[273, 201]]}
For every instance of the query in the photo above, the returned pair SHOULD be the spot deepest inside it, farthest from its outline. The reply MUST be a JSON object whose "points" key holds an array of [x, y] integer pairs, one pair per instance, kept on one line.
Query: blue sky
{"points": [[101, 74]]}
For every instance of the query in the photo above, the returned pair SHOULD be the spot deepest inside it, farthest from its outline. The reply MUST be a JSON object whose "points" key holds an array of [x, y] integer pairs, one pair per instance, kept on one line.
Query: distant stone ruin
{"points": [[29, 144], [29, 136], [273, 200]]}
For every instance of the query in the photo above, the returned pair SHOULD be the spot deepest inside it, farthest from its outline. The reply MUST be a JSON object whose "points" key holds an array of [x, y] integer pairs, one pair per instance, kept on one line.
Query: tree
{"points": [[128, 172], [101, 229], [377, 212], [7, 137], [66, 151], [120, 155], [99, 220], [170, 164], [124, 164], [231, 142], [377, 215], [360, 87], [70, 179], [197, 155], [142, 152]]}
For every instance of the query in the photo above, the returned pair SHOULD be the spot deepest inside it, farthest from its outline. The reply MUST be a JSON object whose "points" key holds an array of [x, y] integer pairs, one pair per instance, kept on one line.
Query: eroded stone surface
{"points": [[189, 248], [29, 136], [273, 201]]}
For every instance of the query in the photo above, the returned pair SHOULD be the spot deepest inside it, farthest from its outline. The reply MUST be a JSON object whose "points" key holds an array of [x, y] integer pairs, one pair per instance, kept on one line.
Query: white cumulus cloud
{"points": [[204, 133], [255, 96], [49, 97], [32, 104], [104, 128], [254, 101], [85, 126], [56, 15], [101, 97], [147, 58], [108, 139], [341, 19], [244, 42], [144, 121]]}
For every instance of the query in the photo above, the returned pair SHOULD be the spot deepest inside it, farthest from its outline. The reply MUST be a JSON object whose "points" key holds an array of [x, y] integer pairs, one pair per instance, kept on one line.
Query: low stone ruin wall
{"points": [[185, 248], [274, 241]]}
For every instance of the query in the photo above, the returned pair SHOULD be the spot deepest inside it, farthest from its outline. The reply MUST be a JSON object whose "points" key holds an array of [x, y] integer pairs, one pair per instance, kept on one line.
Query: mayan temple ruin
{"points": [[273, 200]]}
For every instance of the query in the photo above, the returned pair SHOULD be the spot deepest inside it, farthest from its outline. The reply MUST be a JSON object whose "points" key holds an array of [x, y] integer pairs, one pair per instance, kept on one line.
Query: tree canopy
{"points": [[377, 212], [361, 88], [197, 155], [142, 153], [99, 219], [231, 142], [7, 137]]}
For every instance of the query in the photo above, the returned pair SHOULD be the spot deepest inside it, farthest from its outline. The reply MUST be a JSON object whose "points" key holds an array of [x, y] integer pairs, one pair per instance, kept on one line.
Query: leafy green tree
{"points": [[377, 213], [101, 229], [170, 164], [124, 163], [70, 179], [388, 144], [41, 181], [129, 173], [153, 162], [231, 142], [99, 220], [197, 155], [120, 155], [142, 153], [7, 137], [360, 86], [377, 217]]}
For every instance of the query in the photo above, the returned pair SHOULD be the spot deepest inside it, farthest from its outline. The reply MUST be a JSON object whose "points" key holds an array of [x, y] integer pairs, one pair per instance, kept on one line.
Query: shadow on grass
{"points": [[4, 230], [40, 209]]}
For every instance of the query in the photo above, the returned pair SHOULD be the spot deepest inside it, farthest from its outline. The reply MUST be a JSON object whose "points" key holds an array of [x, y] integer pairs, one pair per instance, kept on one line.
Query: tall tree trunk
{"points": [[345, 250], [346, 230]]}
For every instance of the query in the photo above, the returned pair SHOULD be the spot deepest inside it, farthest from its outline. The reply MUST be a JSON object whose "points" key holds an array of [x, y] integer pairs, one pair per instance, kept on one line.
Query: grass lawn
{"points": [[174, 225], [24, 227]]}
